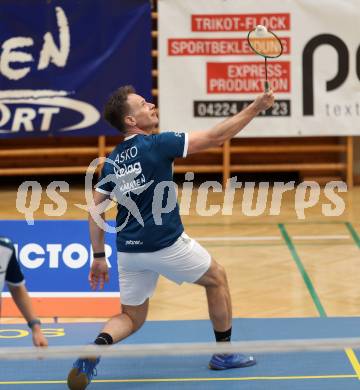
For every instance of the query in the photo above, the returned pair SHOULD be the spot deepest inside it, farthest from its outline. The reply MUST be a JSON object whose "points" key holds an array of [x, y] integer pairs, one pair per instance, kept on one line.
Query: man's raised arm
{"points": [[227, 129]]}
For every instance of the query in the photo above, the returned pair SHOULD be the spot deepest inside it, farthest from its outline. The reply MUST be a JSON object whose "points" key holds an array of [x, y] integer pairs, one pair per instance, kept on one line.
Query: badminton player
{"points": [[10, 273], [149, 246]]}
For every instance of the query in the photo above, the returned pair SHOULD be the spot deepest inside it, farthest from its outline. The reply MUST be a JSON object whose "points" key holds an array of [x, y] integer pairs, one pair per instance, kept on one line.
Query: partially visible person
{"points": [[10, 273]]}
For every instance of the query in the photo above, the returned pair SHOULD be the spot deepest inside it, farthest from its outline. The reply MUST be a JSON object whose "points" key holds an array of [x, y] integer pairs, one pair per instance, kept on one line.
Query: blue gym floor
{"points": [[295, 371]]}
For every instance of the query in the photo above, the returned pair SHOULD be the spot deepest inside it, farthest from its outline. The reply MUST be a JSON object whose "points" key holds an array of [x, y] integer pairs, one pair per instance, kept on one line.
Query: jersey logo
{"points": [[126, 181], [133, 242]]}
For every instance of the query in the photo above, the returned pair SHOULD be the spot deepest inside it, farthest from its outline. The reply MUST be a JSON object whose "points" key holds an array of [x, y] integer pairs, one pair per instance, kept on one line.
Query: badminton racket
{"points": [[266, 44]]}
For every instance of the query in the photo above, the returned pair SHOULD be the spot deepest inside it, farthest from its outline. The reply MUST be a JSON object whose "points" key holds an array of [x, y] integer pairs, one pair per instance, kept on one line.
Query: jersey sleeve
{"points": [[172, 145], [105, 185], [13, 275]]}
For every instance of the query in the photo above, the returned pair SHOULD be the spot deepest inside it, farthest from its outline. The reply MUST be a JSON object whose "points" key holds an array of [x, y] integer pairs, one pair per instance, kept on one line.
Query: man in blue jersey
{"points": [[151, 239], [10, 273]]}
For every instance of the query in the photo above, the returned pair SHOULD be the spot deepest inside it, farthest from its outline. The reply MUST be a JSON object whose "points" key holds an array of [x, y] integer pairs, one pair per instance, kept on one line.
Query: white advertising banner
{"points": [[208, 72]]}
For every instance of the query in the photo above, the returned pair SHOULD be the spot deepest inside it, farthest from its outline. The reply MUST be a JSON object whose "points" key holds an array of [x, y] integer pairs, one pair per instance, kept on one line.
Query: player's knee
{"points": [[214, 277], [137, 317], [218, 275], [137, 324]]}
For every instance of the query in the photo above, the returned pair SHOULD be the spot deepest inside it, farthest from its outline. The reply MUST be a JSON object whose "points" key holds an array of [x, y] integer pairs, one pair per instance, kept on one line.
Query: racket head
{"points": [[265, 43]]}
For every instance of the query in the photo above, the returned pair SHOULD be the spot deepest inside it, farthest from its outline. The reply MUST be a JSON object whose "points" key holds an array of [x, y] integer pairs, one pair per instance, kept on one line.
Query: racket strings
{"points": [[266, 45]]}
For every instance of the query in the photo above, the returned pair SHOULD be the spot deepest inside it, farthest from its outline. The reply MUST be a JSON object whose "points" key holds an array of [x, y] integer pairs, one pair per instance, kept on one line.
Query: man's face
{"points": [[144, 114]]}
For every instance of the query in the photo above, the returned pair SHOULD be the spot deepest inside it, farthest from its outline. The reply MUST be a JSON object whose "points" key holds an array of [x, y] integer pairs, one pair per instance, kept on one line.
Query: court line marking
{"points": [[349, 352], [353, 233], [272, 238], [155, 380], [320, 237], [302, 270], [226, 223], [278, 244], [239, 238], [354, 361]]}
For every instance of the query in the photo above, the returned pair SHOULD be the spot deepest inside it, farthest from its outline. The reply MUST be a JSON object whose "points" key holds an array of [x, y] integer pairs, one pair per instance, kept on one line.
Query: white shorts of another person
{"points": [[184, 261]]}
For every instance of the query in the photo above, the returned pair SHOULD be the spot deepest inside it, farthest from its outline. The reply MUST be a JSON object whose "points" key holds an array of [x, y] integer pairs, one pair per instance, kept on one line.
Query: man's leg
{"points": [[123, 325], [220, 312], [218, 296], [117, 328]]}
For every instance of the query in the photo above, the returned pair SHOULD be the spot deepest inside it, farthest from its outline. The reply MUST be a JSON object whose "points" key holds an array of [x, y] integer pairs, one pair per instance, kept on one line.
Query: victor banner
{"points": [[60, 60], [56, 256], [208, 71]]}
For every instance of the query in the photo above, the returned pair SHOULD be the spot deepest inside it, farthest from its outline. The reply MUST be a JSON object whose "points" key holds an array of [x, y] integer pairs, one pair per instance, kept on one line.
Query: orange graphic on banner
{"points": [[66, 307], [239, 22], [266, 46], [247, 77], [218, 46]]}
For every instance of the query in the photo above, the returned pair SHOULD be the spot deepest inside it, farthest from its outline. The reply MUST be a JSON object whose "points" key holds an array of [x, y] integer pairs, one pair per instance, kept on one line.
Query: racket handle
{"points": [[267, 86]]}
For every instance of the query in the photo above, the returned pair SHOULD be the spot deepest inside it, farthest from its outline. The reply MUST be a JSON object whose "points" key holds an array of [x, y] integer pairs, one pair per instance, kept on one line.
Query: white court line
{"points": [[240, 238], [271, 238], [335, 237]]}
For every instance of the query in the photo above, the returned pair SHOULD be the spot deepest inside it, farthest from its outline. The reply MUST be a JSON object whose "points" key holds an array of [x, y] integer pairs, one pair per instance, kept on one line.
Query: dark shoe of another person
{"points": [[82, 373], [225, 361]]}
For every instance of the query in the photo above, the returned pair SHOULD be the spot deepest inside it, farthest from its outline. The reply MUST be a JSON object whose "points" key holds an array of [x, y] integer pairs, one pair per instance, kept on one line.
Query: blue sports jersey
{"points": [[139, 175], [9, 267]]}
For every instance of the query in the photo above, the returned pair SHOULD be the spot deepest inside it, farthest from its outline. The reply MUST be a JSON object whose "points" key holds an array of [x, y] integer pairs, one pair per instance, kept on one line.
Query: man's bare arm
{"points": [[99, 273], [96, 232], [227, 129], [22, 300]]}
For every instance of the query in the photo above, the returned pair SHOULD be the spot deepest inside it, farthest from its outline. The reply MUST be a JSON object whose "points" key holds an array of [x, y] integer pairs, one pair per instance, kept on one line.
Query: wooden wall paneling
{"points": [[350, 161]]}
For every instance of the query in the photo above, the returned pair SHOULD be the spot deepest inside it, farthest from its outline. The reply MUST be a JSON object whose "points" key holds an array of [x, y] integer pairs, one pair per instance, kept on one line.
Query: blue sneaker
{"points": [[224, 361], [82, 373]]}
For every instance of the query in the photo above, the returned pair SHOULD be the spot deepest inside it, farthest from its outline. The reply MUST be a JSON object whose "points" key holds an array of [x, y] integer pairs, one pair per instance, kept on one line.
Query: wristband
{"points": [[31, 323], [98, 255]]}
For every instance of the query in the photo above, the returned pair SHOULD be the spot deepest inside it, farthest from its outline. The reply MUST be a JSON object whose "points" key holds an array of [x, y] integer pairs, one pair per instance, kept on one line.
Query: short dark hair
{"points": [[117, 107]]}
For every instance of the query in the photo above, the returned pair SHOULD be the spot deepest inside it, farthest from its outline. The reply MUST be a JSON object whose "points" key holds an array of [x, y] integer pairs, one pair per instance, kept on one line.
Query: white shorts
{"points": [[184, 261]]}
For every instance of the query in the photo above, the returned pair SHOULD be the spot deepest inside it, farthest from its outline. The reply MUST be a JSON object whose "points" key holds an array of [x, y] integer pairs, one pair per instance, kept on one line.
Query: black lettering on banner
{"points": [[308, 68], [226, 108]]}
